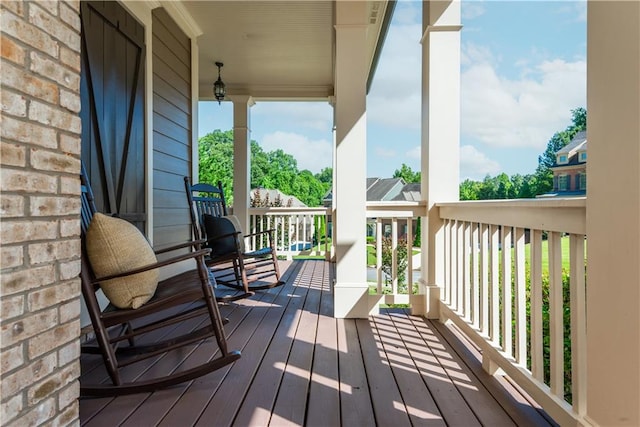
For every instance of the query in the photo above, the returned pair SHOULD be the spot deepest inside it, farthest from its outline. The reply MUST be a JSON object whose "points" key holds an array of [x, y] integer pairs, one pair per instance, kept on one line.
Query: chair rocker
{"points": [[120, 332], [232, 265]]}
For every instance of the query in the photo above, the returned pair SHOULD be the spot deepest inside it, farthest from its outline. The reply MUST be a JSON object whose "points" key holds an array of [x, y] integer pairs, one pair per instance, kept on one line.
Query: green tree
{"points": [[544, 174], [406, 173], [271, 170], [215, 152]]}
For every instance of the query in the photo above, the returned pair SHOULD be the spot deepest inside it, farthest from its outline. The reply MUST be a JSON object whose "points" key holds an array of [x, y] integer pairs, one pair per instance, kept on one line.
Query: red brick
{"points": [[12, 306], [50, 339], [28, 181], [70, 101], [52, 295], [23, 280], [29, 34], [54, 206], [52, 69], [11, 51], [11, 359], [20, 80], [53, 161], [28, 132], [13, 104], [31, 373], [70, 15], [10, 408], [53, 116], [70, 144], [52, 26], [40, 253], [11, 206], [12, 154], [12, 256], [25, 230], [70, 228]]}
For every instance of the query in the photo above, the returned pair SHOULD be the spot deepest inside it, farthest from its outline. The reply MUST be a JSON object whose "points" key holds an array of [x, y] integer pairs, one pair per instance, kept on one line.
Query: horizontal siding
{"points": [[172, 131]]}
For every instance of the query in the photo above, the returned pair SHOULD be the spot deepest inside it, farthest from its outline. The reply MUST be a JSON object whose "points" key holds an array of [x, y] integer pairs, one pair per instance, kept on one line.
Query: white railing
{"points": [[394, 225], [297, 231], [527, 337]]}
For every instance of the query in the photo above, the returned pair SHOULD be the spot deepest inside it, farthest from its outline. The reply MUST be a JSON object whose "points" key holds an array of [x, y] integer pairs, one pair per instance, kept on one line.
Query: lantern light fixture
{"points": [[219, 88]]}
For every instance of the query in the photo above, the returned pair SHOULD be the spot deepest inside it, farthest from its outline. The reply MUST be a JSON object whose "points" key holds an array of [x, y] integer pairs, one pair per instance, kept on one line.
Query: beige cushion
{"points": [[115, 246]]}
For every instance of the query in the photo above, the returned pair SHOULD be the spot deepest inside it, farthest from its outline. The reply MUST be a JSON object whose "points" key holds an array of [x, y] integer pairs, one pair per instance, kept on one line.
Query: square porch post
{"points": [[440, 137], [613, 215], [350, 291], [242, 157]]}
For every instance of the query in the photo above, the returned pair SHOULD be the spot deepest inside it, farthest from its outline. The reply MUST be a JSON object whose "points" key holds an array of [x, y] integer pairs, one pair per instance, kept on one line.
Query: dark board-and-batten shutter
{"points": [[112, 92], [172, 129]]}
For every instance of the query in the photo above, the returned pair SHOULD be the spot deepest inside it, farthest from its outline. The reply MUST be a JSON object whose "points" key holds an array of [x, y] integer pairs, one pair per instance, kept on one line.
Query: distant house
{"points": [[410, 193], [383, 189], [274, 195], [570, 169], [378, 190]]}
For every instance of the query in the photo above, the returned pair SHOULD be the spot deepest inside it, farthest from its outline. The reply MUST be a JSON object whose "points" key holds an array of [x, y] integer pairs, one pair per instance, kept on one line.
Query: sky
{"points": [[523, 69]]}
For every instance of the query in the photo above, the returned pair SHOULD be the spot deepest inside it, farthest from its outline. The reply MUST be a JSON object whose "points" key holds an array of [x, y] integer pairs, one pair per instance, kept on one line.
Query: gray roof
{"points": [[381, 189], [578, 142], [409, 193]]}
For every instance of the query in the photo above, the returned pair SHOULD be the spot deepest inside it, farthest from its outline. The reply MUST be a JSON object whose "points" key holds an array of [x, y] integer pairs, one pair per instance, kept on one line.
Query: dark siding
{"points": [[171, 129]]}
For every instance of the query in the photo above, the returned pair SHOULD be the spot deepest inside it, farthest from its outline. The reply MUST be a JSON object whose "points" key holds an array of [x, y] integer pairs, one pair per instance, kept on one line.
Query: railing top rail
{"points": [[561, 215], [556, 202], [289, 210]]}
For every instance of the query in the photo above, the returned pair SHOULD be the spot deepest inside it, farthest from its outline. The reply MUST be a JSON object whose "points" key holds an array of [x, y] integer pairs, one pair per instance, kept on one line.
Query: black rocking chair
{"points": [[185, 296], [232, 265]]}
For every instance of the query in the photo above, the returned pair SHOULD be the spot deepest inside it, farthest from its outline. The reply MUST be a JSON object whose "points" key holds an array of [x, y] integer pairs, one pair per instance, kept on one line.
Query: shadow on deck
{"points": [[300, 366]]}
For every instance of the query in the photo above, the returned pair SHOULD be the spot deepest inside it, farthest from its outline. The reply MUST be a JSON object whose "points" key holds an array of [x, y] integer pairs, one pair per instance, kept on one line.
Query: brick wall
{"points": [[39, 208]]}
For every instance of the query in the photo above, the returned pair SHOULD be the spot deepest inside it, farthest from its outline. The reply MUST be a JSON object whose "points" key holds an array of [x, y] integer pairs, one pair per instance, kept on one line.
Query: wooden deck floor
{"points": [[300, 366]]}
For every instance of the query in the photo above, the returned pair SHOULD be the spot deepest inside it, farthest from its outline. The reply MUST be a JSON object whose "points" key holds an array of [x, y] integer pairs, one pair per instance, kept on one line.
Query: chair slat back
{"points": [[88, 205], [87, 211], [204, 199]]}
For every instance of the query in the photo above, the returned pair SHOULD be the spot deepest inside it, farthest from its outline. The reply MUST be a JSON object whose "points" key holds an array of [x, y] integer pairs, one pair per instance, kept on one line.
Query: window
{"points": [[583, 156], [583, 181], [563, 182], [562, 159]]}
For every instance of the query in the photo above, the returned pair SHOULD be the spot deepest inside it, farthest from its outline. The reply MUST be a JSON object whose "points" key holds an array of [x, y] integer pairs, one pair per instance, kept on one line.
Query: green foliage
{"points": [[273, 169], [401, 259], [406, 173], [215, 151], [526, 186]]}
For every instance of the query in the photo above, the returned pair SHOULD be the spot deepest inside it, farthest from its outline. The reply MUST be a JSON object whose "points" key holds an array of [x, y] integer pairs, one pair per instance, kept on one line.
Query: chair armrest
{"points": [[196, 254], [194, 243], [257, 233]]}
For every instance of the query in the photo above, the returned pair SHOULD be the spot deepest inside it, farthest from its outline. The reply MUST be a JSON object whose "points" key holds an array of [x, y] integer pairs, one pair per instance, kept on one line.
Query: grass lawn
{"points": [[371, 254], [545, 254]]}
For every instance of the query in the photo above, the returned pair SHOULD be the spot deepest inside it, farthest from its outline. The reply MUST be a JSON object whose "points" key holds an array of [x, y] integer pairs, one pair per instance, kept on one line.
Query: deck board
{"points": [[301, 366]]}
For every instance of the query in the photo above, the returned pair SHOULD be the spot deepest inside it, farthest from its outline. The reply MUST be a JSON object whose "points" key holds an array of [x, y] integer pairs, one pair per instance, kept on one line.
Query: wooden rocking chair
{"points": [[231, 264], [185, 296]]}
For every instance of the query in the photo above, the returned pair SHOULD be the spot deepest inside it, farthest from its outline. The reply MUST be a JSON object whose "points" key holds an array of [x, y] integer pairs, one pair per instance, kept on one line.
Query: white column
{"points": [[613, 213], [241, 157], [350, 292], [440, 136]]}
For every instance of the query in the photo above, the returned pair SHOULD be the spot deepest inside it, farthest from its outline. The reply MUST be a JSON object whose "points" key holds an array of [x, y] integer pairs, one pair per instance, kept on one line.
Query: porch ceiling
{"points": [[273, 49]]}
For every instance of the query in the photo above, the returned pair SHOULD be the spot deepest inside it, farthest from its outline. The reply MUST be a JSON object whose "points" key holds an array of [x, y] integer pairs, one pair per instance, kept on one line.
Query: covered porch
{"points": [[319, 339], [302, 366]]}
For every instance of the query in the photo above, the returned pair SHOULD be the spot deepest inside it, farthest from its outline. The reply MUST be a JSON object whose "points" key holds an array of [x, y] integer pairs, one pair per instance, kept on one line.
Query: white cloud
{"points": [[394, 99], [384, 152], [475, 165], [414, 153], [471, 10], [317, 116], [313, 155], [523, 112]]}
